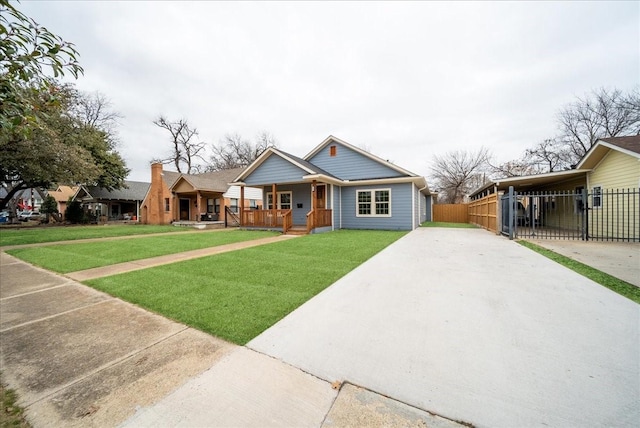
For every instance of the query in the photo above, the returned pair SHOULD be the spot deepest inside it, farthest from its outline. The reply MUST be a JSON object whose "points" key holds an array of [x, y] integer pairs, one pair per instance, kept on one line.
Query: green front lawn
{"points": [[74, 257], [238, 295], [36, 235]]}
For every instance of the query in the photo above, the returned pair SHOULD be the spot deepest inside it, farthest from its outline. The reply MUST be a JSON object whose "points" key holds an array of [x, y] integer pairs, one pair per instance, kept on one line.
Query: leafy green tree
{"points": [[49, 206], [74, 212], [45, 139], [61, 149], [27, 52]]}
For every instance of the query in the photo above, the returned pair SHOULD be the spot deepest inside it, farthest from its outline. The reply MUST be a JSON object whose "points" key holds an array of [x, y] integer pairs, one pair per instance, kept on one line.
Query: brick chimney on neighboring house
{"points": [[155, 202]]}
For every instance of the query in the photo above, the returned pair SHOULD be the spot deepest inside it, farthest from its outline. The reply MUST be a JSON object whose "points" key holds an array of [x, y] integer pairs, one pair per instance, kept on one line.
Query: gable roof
{"points": [[300, 163], [315, 172], [63, 193], [132, 191], [331, 139], [627, 145], [216, 181]]}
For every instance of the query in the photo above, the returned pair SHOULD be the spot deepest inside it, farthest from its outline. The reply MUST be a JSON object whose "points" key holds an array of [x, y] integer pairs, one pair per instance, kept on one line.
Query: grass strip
{"points": [[36, 235], [11, 415], [451, 225], [621, 287], [74, 257], [238, 295]]}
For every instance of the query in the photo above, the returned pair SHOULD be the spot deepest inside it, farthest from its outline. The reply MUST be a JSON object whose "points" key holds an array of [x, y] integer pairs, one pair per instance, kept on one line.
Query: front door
{"points": [[321, 199], [184, 209]]}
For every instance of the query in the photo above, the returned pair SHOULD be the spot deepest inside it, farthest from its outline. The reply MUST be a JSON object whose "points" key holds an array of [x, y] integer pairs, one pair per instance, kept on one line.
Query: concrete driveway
{"points": [[475, 328]]}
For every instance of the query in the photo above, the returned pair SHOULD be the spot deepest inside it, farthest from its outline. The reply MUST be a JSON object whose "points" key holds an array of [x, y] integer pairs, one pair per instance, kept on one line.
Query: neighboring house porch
{"points": [[113, 205], [176, 198]]}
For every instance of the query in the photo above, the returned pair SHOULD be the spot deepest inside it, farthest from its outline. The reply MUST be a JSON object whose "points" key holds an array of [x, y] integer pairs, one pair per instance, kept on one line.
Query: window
{"points": [[166, 204], [333, 150], [252, 203], [283, 200], [233, 205], [216, 205], [210, 206], [374, 203], [597, 197], [364, 203]]}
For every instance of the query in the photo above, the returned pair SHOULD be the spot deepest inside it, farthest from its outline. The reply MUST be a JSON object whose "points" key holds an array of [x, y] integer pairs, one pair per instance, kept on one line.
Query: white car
{"points": [[30, 215]]}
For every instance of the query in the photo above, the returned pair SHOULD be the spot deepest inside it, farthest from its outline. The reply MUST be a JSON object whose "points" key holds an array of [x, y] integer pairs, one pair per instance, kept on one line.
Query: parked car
{"points": [[4, 216], [30, 216]]}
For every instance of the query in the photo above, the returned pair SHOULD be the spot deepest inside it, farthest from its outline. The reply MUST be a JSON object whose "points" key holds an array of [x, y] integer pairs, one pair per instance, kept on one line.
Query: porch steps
{"points": [[297, 230]]}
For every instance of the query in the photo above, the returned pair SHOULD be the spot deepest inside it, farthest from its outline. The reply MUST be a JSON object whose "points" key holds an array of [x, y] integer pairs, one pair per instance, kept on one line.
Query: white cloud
{"points": [[406, 79]]}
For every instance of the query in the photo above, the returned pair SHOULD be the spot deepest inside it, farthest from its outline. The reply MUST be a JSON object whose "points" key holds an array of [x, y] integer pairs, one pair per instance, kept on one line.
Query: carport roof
{"points": [[526, 182]]}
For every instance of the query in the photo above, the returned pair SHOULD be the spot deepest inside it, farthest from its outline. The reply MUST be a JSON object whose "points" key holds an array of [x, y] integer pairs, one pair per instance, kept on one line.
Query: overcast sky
{"points": [[405, 80]]}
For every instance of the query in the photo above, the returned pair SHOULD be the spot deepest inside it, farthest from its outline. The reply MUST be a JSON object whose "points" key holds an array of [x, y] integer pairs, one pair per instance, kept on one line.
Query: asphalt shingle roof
{"points": [[631, 143], [133, 191]]}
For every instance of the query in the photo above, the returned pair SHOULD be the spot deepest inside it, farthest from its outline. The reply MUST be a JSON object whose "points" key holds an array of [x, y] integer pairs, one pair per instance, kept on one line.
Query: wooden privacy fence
{"points": [[451, 213], [482, 212]]}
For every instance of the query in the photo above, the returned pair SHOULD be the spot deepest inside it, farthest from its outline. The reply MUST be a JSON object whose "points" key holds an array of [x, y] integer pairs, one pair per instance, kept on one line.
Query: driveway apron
{"points": [[476, 328]]}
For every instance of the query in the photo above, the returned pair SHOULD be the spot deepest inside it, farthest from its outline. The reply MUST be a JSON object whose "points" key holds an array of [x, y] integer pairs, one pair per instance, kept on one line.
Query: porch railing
{"points": [[265, 218], [320, 217]]}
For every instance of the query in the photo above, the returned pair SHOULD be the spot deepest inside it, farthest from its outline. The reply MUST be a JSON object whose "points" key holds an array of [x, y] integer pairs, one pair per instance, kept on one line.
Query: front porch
{"points": [[279, 219], [295, 208]]}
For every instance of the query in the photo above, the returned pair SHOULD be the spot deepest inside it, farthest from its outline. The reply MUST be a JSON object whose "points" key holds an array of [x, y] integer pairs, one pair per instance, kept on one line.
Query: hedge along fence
{"points": [[483, 212], [451, 213]]}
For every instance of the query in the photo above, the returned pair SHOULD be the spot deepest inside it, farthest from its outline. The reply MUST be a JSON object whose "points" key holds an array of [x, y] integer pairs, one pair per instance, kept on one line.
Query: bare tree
{"points": [[512, 168], [186, 146], [549, 156], [603, 113], [457, 173], [96, 111], [234, 151]]}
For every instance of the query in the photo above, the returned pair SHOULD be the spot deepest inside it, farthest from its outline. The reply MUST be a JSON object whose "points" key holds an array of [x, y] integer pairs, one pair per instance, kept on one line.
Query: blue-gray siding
{"points": [[275, 170], [351, 165], [337, 194], [428, 210], [401, 209]]}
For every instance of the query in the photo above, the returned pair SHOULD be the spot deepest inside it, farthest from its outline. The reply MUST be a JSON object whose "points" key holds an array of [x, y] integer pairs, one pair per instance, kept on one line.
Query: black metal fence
{"points": [[599, 215]]}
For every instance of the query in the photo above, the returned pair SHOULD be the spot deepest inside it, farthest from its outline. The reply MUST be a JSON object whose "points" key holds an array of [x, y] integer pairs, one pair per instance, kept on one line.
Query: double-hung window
{"points": [[283, 200], [373, 203], [597, 197]]}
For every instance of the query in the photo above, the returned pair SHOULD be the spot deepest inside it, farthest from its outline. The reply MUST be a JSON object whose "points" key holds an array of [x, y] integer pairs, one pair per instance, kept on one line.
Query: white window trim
{"points": [[278, 199], [593, 197], [373, 203]]}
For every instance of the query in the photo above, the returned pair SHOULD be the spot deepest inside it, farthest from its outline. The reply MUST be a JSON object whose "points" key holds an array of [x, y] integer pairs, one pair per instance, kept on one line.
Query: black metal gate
{"points": [[599, 215]]}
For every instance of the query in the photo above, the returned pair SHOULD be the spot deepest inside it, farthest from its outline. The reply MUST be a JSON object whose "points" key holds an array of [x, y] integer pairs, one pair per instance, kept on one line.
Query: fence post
{"points": [[512, 199], [585, 214]]}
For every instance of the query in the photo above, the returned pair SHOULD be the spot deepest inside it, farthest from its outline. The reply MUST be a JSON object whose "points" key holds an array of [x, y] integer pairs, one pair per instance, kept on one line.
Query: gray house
{"points": [[113, 205], [335, 186]]}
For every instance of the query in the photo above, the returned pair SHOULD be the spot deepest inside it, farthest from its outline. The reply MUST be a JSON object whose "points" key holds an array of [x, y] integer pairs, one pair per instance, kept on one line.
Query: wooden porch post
{"points": [[274, 199], [241, 204], [199, 203], [314, 202], [175, 208]]}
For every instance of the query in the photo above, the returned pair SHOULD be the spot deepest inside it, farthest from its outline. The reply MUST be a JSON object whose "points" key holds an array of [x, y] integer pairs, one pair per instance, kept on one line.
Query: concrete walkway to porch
{"points": [[99, 272]]}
